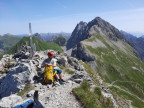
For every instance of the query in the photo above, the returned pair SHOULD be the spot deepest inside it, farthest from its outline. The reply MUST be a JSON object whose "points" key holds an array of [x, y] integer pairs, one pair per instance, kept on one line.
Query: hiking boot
{"points": [[63, 80], [60, 82]]}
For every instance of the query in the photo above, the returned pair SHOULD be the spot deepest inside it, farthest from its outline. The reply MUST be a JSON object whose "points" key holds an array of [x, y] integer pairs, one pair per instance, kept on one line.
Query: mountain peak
{"points": [[98, 18], [82, 23], [77, 35], [99, 25]]}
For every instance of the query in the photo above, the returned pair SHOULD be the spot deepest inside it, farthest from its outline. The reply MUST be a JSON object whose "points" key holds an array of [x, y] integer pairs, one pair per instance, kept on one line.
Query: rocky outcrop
{"points": [[1, 51], [16, 78], [62, 60], [77, 35], [79, 76], [24, 53], [38, 36], [7, 102], [80, 52]]}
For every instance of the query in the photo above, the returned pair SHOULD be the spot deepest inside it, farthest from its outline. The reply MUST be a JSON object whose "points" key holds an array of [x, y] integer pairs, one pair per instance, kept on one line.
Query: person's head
{"points": [[50, 55]]}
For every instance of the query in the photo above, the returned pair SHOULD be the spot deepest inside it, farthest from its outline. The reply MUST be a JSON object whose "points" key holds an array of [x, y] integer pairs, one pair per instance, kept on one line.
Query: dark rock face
{"points": [[77, 35], [97, 26], [38, 36], [82, 53]]}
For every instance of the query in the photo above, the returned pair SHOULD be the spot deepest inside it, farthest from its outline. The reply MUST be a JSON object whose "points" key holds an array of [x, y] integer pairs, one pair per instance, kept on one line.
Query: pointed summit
{"points": [[98, 25], [77, 34]]}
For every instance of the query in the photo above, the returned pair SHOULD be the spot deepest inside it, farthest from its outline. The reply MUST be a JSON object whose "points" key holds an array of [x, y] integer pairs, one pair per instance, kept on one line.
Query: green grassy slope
{"points": [[120, 69], [40, 45], [8, 41], [92, 99]]}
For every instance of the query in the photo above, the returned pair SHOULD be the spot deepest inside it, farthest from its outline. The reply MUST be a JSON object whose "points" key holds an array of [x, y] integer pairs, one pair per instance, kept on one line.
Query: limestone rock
{"points": [[16, 79], [80, 52], [62, 60], [80, 75], [75, 63], [29, 94], [77, 35], [7, 102]]}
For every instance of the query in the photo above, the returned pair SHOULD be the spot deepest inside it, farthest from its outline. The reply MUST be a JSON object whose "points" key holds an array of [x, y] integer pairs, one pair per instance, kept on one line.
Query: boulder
{"points": [[16, 79], [1, 66], [75, 63], [82, 53], [62, 60], [8, 102], [79, 76]]}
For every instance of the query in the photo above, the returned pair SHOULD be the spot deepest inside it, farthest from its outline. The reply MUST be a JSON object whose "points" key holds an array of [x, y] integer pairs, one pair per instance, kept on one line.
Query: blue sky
{"points": [[63, 15]]}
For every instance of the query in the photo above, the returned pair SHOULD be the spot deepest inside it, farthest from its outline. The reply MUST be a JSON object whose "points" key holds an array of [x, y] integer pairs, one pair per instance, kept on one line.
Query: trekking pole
{"points": [[36, 100]]}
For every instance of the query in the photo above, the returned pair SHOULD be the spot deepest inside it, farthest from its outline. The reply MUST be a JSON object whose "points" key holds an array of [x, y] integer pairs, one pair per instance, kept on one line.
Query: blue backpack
{"points": [[28, 104]]}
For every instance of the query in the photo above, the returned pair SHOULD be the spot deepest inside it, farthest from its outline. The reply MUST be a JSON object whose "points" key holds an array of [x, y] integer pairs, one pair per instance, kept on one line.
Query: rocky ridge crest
{"points": [[27, 71], [85, 30]]}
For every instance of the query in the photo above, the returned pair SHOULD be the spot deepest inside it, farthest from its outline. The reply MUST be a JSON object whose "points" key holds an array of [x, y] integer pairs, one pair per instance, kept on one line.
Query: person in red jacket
{"points": [[51, 62]]}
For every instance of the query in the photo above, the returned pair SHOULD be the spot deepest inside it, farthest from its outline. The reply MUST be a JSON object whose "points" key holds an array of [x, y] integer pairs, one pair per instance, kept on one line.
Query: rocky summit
{"points": [[20, 77]]}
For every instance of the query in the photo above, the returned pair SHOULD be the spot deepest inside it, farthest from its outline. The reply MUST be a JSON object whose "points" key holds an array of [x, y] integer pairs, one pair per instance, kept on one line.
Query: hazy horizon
{"points": [[62, 15]]}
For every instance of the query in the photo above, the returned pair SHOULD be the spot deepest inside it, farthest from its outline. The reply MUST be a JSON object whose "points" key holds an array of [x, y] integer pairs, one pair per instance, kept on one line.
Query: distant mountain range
{"points": [[47, 36], [128, 36], [142, 36], [7, 41], [136, 43]]}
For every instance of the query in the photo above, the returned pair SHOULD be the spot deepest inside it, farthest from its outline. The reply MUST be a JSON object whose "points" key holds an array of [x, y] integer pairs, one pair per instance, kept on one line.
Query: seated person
{"points": [[51, 62]]}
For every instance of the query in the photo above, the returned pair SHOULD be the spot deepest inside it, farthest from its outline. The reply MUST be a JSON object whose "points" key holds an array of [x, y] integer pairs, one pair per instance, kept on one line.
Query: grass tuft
{"points": [[69, 71], [91, 99], [26, 89], [91, 72]]}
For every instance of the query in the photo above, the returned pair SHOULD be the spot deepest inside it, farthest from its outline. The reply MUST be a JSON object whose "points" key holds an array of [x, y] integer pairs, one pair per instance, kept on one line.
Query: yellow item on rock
{"points": [[49, 75]]}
